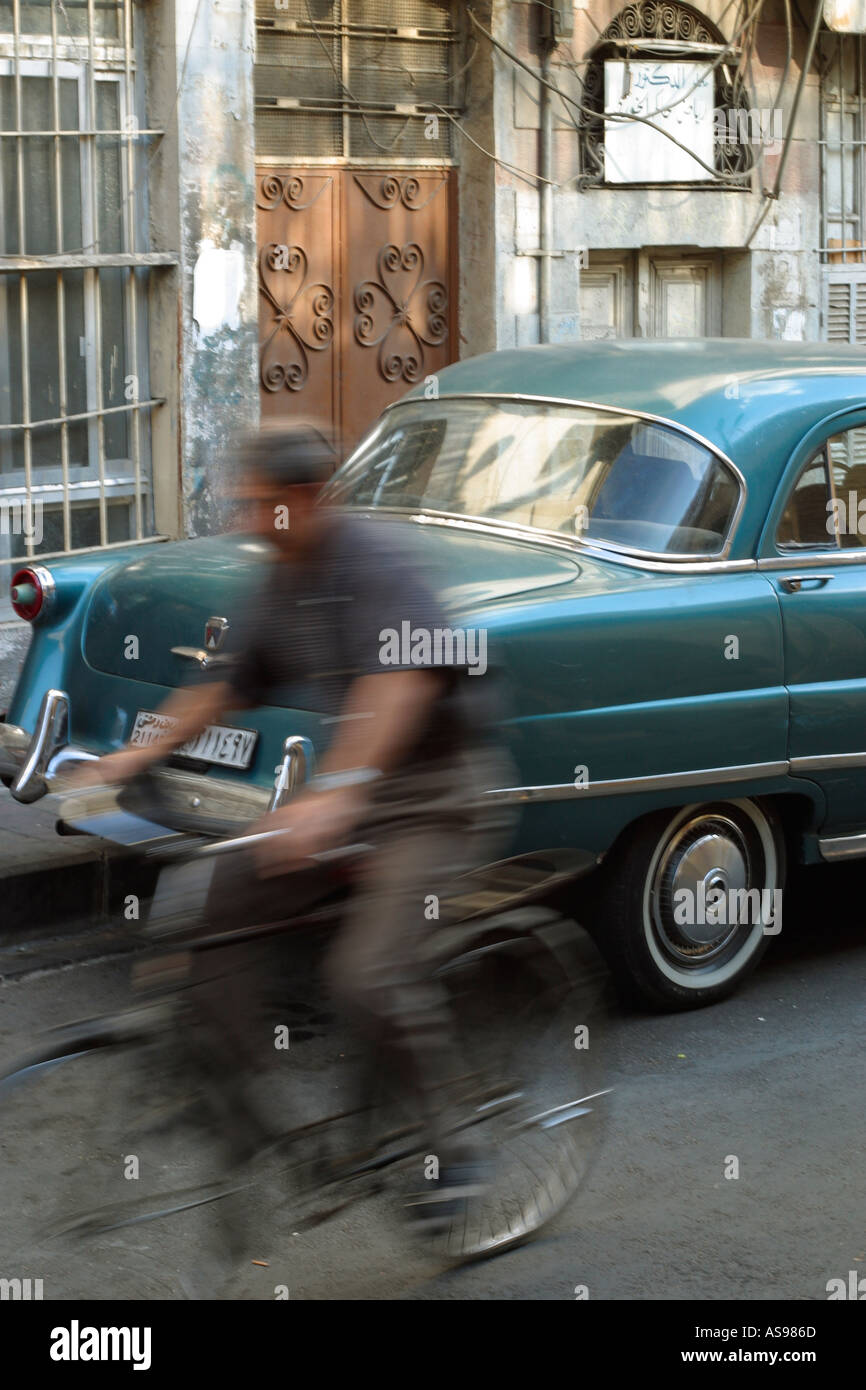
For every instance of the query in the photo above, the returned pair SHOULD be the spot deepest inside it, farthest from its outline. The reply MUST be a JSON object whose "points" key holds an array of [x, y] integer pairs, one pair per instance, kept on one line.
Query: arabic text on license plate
{"points": [[218, 743]]}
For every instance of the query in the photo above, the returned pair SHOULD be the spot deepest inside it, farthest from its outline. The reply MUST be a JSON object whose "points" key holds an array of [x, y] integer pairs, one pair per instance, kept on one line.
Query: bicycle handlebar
{"points": [[205, 849]]}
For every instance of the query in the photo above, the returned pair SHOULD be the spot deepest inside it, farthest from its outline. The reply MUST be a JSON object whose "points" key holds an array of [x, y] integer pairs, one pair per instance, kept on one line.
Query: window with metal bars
{"points": [[74, 393], [360, 80], [843, 108], [843, 186]]}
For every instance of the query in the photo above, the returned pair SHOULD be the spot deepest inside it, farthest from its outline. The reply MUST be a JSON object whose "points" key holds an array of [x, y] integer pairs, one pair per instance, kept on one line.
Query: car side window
{"points": [[808, 521], [847, 453]]}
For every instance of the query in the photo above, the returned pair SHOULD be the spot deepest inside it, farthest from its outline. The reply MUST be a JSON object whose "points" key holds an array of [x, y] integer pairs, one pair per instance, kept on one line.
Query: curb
{"points": [[93, 892]]}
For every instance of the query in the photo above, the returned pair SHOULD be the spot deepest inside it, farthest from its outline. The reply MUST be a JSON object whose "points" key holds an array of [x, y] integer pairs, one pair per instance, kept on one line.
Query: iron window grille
{"points": [[842, 144], [75, 467], [360, 81]]}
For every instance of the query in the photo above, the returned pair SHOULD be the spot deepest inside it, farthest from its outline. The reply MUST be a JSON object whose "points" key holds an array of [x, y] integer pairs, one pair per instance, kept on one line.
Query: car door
{"points": [[814, 550]]}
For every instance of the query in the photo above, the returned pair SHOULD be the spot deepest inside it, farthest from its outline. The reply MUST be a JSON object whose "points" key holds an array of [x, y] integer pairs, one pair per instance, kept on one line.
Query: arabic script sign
{"points": [[676, 98]]}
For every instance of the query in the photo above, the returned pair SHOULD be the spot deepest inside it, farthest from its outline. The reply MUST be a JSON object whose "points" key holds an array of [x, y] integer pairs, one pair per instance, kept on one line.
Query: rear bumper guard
{"points": [[36, 763], [183, 801]]}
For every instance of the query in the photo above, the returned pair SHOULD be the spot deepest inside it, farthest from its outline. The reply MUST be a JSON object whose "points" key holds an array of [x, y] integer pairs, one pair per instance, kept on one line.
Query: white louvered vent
{"points": [[845, 311]]}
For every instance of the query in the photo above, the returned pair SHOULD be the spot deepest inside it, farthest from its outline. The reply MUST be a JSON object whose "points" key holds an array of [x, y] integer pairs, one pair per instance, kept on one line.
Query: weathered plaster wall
{"points": [[218, 334], [158, 46], [476, 191], [772, 291]]}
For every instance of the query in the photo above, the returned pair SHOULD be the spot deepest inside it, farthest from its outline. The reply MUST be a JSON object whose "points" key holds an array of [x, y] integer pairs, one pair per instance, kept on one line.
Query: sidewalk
{"points": [[29, 842], [58, 882]]}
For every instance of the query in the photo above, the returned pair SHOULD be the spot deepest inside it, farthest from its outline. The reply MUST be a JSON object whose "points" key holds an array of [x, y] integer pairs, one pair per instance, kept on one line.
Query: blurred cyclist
{"points": [[404, 769]]}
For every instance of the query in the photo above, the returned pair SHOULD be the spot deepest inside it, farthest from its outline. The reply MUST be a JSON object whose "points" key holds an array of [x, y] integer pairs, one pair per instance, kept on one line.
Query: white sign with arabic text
{"points": [[674, 99]]}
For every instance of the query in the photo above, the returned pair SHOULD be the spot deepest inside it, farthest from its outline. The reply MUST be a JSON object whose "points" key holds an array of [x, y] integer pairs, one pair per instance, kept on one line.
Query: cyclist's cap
{"points": [[289, 455]]}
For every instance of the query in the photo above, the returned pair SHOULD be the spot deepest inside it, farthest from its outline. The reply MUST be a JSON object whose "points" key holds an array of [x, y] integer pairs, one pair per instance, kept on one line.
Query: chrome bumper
{"points": [[38, 765]]}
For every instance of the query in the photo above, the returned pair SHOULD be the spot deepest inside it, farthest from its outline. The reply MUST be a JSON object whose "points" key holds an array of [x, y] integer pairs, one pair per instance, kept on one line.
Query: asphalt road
{"points": [[773, 1079]]}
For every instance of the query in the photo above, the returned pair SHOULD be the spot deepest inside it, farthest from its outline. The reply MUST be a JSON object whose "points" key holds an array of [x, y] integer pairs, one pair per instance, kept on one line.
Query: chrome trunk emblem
{"points": [[214, 633]]}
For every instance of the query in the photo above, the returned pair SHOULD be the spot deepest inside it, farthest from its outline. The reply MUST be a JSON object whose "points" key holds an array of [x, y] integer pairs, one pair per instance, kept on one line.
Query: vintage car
{"points": [[664, 546]]}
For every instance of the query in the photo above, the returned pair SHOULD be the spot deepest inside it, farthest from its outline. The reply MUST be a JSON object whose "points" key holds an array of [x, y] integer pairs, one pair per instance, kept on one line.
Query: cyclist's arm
{"points": [[381, 719], [193, 707]]}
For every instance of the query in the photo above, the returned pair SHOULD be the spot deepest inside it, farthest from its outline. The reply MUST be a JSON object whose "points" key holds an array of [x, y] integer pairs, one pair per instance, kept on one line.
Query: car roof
{"points": [[735, 392]]}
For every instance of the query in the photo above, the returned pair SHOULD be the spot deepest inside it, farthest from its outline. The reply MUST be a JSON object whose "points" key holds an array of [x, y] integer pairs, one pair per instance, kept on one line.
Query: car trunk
{"points": [[163, 598]]}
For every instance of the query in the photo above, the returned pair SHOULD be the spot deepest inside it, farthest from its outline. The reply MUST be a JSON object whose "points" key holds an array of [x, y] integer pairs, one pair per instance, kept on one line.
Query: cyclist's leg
{"points": [[232, 1037], [377, 975], [430, 831]]}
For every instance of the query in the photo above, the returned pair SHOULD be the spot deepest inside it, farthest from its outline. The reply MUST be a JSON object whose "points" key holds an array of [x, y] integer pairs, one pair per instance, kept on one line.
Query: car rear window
{"points": [[613, 479]]}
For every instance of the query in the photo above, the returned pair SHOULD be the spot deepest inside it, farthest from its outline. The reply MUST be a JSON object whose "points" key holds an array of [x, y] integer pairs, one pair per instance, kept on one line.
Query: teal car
{"points": [[663, 548]]}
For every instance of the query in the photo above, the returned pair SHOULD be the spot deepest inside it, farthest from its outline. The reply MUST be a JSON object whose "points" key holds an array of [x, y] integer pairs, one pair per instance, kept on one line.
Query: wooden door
{"points": [[356, 291]]}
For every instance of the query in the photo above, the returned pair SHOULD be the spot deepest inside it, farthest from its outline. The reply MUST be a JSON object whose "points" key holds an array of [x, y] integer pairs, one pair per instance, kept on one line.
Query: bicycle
{"points": [[499, 949]]}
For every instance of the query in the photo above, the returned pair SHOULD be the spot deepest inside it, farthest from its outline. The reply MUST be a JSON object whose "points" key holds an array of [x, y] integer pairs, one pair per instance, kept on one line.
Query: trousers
{"points": [[425, 828]]}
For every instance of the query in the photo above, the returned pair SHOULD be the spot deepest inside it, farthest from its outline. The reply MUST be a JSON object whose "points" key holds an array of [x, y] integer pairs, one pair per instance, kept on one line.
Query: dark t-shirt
{"points": [[351, 609]]}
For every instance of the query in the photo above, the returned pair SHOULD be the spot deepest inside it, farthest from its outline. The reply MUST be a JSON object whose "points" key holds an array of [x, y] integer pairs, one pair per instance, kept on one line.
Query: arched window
{"points": [[662, 32]]}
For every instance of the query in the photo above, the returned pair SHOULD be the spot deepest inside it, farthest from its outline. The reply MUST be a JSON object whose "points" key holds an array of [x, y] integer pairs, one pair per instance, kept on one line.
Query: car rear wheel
{"points": [[689, 901]]}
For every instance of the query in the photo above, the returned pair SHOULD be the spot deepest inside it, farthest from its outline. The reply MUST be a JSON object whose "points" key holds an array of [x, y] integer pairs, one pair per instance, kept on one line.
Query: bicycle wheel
{"points": [[101, 1129], [530, 996]]}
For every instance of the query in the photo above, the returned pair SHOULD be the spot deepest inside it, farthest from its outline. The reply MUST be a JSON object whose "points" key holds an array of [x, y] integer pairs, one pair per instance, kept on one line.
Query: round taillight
{"points": [[28, 593]]}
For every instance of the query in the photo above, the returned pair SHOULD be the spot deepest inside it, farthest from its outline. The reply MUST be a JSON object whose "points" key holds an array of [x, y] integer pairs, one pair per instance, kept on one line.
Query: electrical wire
{"points": [[623, 116], [386, 149], [526, 174], [729, 47], [770, 195]]}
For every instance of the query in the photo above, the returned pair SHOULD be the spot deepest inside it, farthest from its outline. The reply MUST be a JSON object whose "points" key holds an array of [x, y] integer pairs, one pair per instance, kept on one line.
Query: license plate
{"points": [[218, 743]]}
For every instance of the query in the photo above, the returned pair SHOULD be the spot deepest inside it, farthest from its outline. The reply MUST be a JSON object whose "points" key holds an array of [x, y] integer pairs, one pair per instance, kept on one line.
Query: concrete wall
{"points": [[219, 349], [772, 290], [476, 192], [204, 333]]}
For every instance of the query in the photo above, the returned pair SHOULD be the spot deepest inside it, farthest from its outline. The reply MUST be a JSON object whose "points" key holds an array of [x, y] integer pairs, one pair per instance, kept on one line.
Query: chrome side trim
{"points": [[797, 560], [39, 762], [534, 535], [631, 786], [636, 561], [843, 847], [614, 410], [828, 762]]}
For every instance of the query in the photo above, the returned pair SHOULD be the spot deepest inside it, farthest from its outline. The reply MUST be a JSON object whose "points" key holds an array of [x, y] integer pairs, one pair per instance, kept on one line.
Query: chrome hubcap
{"points": [[697, 891]]}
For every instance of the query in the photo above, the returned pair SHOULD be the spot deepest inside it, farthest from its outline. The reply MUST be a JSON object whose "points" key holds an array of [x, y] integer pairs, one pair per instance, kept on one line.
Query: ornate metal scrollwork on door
{"points": [[289, 189], [385, 191], [302, 316], [401, 313]]}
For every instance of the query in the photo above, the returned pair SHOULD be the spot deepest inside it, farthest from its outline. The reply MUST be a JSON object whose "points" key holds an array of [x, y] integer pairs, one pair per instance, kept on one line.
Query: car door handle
{"points": [[793, 583]]}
